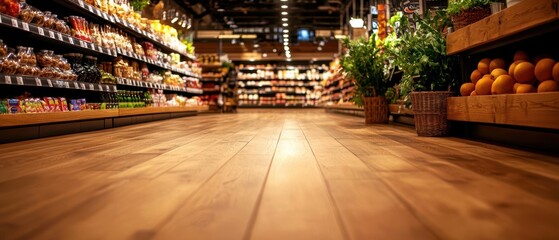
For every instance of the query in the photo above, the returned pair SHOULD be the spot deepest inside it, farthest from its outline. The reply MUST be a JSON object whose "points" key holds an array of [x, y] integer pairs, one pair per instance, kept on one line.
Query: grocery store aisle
{"points": [[273, 174]]}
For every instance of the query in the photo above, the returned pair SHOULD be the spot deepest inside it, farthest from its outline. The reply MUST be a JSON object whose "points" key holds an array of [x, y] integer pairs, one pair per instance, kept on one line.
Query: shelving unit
{"points": [[212, 78], [75, 121], [528, 19], [279, 86]]}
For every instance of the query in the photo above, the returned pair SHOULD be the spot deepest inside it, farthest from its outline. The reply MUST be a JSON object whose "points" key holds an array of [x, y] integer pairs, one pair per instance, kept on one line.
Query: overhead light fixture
{"points": [[256, 45], [285, 43], [285, 35], [264, 54], [221, 10], [274, 50], [284, 19], [283, 6], [283, 13], [356, 22], [284, 0], [285, 24], [286, 48], [340, 36]]}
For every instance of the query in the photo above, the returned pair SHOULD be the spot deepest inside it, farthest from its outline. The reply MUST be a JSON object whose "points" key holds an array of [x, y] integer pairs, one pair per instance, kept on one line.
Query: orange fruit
{"points": [[467, 88], [555, 72], [483, 86], [540, 57], [516, 85], [521, 55], [473, 93], [544, 69], [488, 76], [496, 63], [483, 66], [498, 72], [504, 84], [548, 86], [524, 72], [525, 88], [513, 66], [475, 76]]}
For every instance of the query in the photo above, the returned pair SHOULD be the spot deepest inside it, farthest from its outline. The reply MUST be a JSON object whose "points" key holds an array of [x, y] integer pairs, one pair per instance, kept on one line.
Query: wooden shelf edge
{"points": [[344, 107], [523, 16], [399, 109], [14, 120], [540, 110]]}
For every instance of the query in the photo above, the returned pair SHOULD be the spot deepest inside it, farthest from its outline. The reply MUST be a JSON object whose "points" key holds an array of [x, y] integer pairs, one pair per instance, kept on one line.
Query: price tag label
{"points": [[92, 46], [49, 82], [109, 52], [91, 87], [67, 84], [117, 20], [89, 8], [59, 35], [0, 19], [105, 15], [82, 86], [98, 12], [100, 87], [80, 2], [125, 23], [19, 80], [38, 82], [114, 88], [76, 86], [25, 26], [107, 88], [8, 79], [51, 34], [112, 19], [118, 51], [71, 40], [14, 23], [41, 31]]}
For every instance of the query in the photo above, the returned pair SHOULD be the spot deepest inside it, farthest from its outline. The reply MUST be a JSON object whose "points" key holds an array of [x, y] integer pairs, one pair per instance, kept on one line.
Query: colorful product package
{"points": [[3, 107], [14, 106], [83, 104], [64, 105]]}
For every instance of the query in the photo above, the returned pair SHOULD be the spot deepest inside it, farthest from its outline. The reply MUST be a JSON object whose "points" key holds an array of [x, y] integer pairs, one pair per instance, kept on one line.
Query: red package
{"points": [[63, 105]]}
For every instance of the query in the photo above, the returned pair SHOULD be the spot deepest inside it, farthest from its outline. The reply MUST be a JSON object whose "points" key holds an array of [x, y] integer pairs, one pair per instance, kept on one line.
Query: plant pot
{"points": [[430, 110], [469, 16], [375, 109]]}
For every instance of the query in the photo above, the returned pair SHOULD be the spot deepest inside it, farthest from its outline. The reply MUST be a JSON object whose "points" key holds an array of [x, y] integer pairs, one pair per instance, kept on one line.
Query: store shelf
{"points": [[54, 36], [54, 83], [150, 61], [11, 120], [142, 84], [124, 25], [210, 91], [216, 65], [516, 20], [155, 110], [344, 107], [532, 110]]}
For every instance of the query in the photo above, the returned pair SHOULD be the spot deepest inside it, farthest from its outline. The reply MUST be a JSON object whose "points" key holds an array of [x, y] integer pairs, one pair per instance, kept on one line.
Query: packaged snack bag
{"points": [[14, 105], [64, 105]]}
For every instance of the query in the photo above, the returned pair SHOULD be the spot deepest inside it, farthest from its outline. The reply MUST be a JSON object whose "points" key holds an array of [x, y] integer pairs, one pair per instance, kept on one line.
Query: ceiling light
{"points": [[274, 50], [356, 22], [283, 6], [256, 45], [284, 0], [289, 59], [284, 19], [221, 10], [285, 30], [285, 43], [285, 24], [283, 13], [264, 54], [285, 35], [286, 48]]}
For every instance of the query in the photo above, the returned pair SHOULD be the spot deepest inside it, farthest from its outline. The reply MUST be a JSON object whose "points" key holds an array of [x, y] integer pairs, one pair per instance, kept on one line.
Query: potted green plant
{"points": [[466, 12], [364, 63], [429, 73]]}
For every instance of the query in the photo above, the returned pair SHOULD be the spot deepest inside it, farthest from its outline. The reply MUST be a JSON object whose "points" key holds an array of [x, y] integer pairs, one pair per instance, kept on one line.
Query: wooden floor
{"points": [[273, 174]]}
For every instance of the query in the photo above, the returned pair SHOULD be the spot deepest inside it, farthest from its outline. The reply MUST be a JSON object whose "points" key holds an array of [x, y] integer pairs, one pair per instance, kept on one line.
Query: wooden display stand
{"points": [[500, 117]]}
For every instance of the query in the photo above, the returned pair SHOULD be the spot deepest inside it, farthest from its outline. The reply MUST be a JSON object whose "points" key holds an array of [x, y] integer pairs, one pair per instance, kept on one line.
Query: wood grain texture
{"points": [[274, 174], [10, 120], [532, 110], [519, 18]]}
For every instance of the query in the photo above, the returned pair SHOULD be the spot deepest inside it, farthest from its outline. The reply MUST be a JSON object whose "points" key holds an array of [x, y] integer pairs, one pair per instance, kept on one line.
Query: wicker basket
{"points": [[469, 16], [375, 109], [429, 110]]}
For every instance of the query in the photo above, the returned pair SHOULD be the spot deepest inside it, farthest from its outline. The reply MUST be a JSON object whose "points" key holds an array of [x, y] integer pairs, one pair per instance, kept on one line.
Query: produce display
{"points": [[523, 75], [10, 7], [153, 98]]}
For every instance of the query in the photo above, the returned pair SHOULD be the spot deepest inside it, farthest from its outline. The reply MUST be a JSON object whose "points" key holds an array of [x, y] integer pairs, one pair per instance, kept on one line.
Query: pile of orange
{"points": [[523, 76]]}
